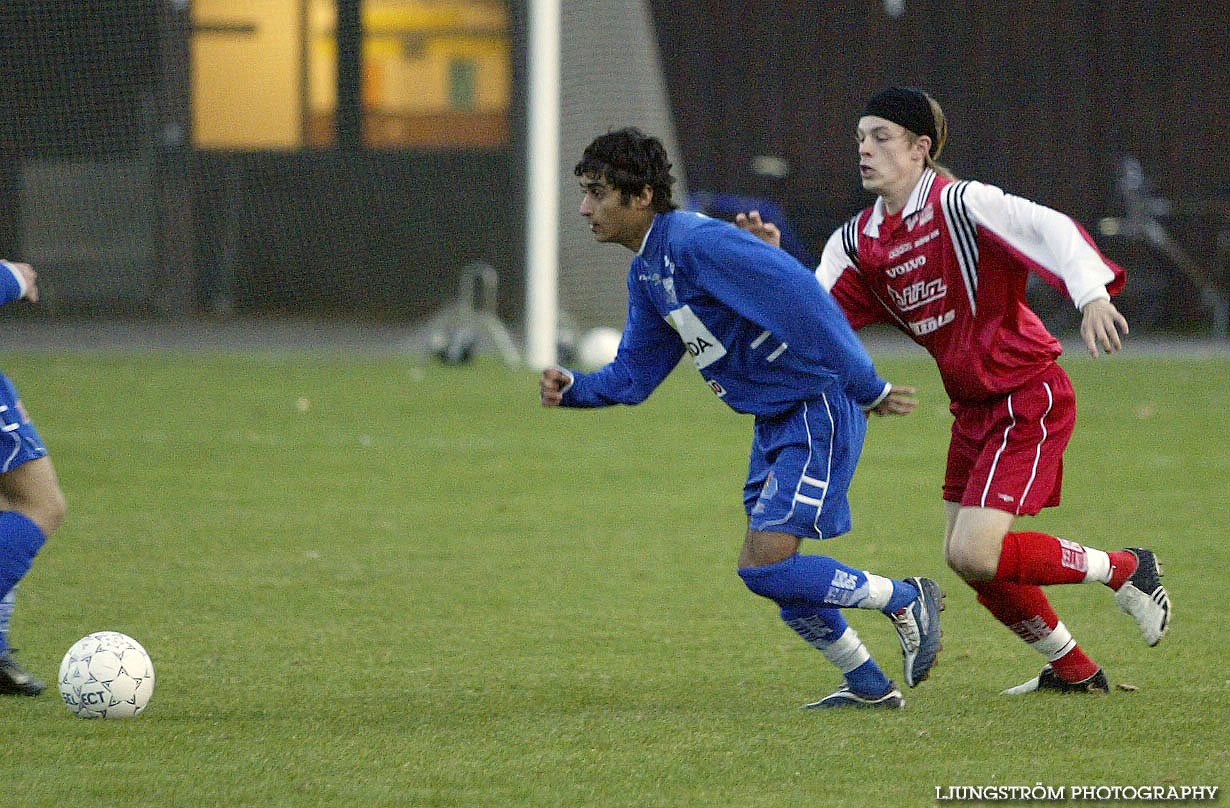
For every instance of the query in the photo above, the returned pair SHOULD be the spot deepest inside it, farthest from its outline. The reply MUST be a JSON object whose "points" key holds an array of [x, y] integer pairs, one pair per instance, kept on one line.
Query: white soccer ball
{"points": [[106, 675], [597, 347]]}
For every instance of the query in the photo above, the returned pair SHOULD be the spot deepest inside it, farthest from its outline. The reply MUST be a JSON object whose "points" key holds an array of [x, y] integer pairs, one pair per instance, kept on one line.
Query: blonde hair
{"points": [[941, 138]]}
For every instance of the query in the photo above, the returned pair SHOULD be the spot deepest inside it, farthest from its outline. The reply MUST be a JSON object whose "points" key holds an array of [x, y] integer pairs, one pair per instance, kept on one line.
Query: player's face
{"points": [[888, 161], [610, 218]]}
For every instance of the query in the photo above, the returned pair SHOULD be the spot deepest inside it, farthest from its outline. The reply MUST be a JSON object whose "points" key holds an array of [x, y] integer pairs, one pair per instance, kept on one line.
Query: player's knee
{"points": [[56, 512], [773, 581], [971, 561], [49, 510]]}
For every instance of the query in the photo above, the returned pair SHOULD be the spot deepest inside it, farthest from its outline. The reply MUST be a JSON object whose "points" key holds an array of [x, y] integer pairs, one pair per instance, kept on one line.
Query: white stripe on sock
{"points": [[847, 652], [1056, 644], [1099, 566], [879, 592]]}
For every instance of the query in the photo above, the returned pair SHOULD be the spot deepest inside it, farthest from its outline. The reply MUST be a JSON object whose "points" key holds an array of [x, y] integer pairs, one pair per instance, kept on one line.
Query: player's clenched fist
{"points": [[551, 386]]}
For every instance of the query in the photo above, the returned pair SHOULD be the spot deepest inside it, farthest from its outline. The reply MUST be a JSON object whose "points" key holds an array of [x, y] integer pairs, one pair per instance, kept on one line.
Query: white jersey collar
{"points": [[918, 198], [645, 240]]}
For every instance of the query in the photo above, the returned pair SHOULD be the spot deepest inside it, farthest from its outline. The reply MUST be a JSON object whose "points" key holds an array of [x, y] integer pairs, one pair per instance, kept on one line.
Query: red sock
{"points": [[1074, 666], [1122, 565], [1028, 613], [1023, 609], [1040, 559]]}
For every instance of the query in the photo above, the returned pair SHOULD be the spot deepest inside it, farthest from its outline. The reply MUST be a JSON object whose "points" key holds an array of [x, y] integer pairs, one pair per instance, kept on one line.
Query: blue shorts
{"points": [[19, 440], [801, 467]]}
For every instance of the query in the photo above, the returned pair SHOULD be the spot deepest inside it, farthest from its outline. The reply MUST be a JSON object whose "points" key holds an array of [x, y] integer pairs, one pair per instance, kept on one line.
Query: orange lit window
{"points": [[435, 73]]}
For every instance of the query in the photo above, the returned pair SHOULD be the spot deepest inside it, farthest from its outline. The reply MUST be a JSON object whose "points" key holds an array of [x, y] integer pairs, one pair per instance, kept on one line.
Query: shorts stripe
{"points": [[828, 467], [982, 502], [799, 496], [1033, 473], [815, 482], [1050, 402], [9, 427], [8, 461], [799, 476]]}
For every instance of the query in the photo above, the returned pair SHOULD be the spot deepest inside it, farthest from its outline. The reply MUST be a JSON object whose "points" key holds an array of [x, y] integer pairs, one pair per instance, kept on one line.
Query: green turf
{"points": [[368, 582]]}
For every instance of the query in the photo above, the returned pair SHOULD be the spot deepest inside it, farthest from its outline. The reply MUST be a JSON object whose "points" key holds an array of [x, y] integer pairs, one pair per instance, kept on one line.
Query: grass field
{"points": [[366, 582]]}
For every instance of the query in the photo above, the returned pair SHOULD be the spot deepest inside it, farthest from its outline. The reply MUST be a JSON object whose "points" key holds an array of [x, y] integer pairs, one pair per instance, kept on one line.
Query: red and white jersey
{"points": [[950, 271]]}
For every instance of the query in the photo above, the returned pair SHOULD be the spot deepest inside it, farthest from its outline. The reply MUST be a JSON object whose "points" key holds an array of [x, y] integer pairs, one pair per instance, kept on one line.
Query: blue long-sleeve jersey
{"points": [[762, 331], [10, 286]]}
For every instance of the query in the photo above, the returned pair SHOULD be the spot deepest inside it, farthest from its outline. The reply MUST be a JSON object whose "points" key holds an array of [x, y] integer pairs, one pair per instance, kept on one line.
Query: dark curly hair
{"points": [[628, 160]]}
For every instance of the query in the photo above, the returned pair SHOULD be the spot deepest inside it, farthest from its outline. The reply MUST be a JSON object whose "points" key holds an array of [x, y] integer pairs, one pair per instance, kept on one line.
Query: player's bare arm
{"points": [[899, 401], [758, 227], [1101, 325], [551, 387]]}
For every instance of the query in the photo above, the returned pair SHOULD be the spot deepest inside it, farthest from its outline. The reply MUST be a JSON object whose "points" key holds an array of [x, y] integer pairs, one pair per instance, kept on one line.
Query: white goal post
{"points": [[575, 92]]}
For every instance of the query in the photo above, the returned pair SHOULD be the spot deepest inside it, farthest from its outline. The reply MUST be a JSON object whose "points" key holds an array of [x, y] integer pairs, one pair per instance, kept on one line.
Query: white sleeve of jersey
{"points": [[1044, 235], [833, 261]]}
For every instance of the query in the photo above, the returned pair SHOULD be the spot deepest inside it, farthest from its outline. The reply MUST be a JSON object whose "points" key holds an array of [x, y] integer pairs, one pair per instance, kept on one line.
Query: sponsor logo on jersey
{"points": [[668, 286], [909, 266], [902, 249], [704, 348], [899, 249], [928, 324], [919, 294], [668, 281], [718, 389], [919, 219]]}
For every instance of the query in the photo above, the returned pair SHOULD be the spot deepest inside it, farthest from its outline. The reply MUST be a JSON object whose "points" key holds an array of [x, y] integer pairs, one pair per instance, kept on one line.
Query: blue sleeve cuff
{"points": [[888, 388], [11, 287]]}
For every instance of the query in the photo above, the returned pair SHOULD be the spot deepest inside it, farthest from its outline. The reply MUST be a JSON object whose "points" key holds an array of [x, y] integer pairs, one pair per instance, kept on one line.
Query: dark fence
{"points": [[1046, 99]]}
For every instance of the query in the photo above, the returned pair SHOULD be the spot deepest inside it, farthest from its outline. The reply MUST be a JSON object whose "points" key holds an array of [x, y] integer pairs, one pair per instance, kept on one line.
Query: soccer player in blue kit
{"points": [[31, 503], [705, 287]]}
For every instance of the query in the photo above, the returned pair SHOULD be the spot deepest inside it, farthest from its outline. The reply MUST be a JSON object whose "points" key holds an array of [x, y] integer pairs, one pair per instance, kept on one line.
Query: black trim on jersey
{"points": [[964, 235], [924, 190], [850, 232], [849, 239]]}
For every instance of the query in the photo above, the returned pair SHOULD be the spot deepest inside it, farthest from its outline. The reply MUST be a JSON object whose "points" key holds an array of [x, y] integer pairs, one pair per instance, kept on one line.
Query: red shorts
{"points": [[1008, 453]]}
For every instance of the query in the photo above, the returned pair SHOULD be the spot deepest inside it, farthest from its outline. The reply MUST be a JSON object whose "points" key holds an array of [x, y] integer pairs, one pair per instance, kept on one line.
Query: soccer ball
{"points": [[106, 675], [597, 347]]}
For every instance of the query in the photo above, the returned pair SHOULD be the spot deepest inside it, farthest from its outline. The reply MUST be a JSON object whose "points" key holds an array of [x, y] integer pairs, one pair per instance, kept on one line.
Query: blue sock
{"points": [[868, 680], [827, 631], [6, 617], [807, 580], [20, 540], [904, 594]]}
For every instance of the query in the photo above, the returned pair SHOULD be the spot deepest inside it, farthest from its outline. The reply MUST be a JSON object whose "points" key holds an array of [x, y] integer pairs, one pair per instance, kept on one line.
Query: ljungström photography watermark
{"points": [[1040, 792]]}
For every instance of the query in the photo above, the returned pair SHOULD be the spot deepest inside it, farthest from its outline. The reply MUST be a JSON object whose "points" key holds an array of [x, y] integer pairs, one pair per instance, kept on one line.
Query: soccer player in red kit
{"points": [[946, 262]]}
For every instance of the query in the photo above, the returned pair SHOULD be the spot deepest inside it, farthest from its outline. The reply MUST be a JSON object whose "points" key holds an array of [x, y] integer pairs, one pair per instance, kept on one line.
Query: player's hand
{"points": [[29, 278], [551, 386], [765, 231], [899, 401], [1101, 325]]}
